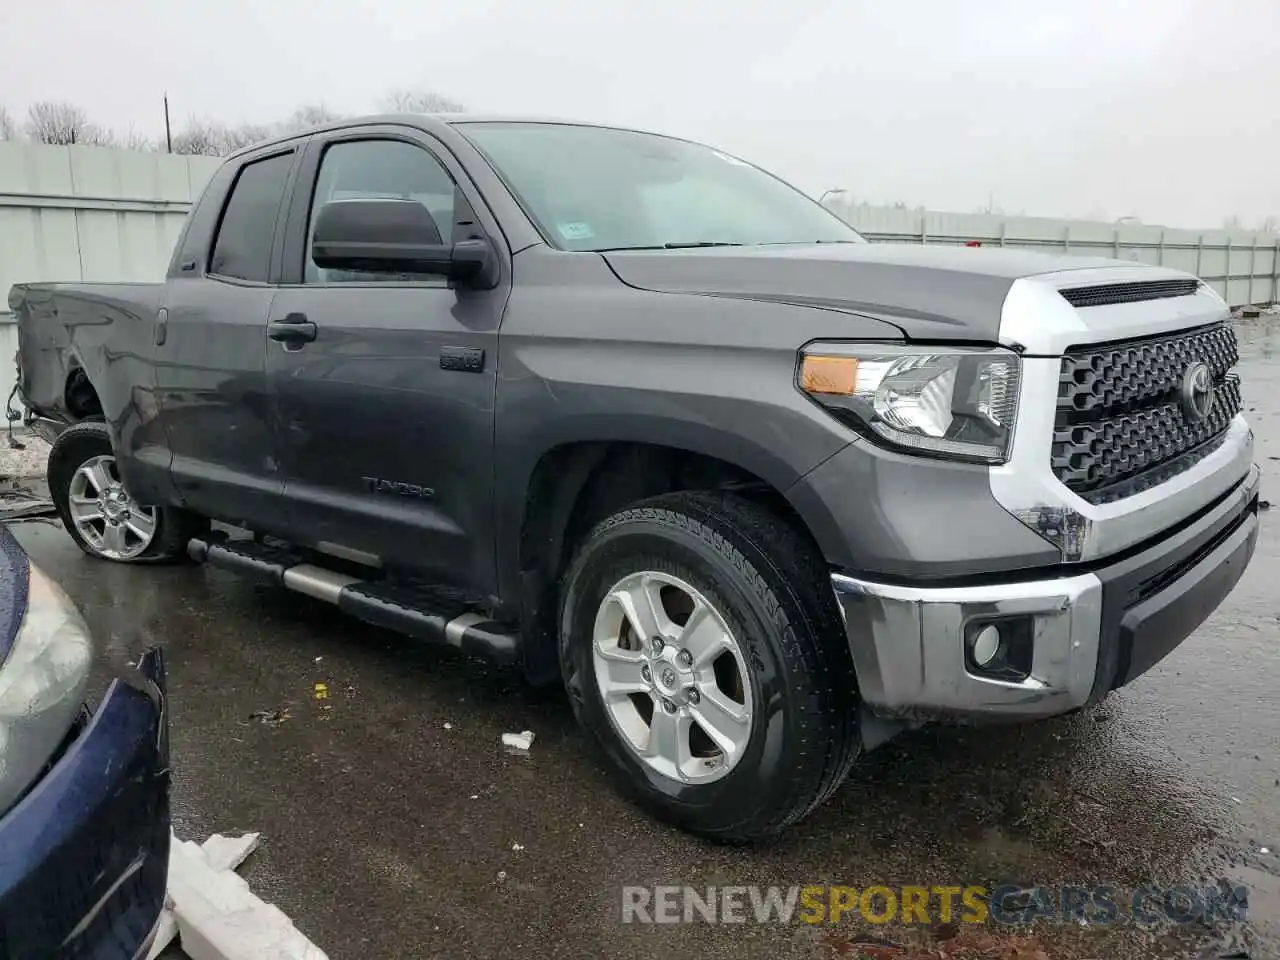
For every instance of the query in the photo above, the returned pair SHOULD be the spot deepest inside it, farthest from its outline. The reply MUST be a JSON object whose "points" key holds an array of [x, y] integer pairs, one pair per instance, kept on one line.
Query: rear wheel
{"points": [[701, 648], [101, 516]]}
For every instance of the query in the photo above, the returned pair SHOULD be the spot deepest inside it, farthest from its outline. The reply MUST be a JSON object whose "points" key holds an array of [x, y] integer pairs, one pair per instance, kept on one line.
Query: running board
{"points": [[436, 614]]}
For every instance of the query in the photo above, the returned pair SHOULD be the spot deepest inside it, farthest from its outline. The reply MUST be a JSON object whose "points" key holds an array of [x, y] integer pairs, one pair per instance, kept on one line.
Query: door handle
{"points": [[295, 328]]}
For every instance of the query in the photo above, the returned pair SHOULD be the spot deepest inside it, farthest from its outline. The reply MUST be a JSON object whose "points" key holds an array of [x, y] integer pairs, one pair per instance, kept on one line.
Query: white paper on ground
{"points": [[518, 742], [215, 913], [220, 918]]}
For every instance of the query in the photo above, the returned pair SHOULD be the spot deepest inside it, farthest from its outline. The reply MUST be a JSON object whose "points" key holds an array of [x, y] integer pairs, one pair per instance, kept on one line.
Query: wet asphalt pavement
{"points": [[391, 814]]}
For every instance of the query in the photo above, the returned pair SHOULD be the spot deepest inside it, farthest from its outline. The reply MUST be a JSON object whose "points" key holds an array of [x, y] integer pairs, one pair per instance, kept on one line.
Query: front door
{"points": [[385, 418], [210, 375]]}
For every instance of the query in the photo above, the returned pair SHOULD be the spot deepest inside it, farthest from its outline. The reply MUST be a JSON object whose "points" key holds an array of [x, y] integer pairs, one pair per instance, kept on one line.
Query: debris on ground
{"points": [[216, 916], [1251, 311], [27, 458], [19, 499], [272, 718], [448, 726], [322, 691], [50, 521], [517, 847], [518, 743], [943, 942], [222, 853]]}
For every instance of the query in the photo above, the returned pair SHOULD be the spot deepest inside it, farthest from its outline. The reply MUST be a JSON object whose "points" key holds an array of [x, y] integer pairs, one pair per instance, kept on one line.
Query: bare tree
{"points": [[8, 129], [212, 139], [305, 117], [64, 123], [1269, 224], [246, 135], [420, 101], [1232, 222], [133, 140], [201, 138]]}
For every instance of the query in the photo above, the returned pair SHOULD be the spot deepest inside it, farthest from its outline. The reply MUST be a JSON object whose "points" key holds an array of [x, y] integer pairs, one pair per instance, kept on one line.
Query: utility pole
{"points": [[168, 133]]}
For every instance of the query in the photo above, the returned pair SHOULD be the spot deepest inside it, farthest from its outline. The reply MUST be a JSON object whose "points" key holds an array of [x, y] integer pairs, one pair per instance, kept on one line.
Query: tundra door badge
{"points": [[465, 359], [398, 487]]}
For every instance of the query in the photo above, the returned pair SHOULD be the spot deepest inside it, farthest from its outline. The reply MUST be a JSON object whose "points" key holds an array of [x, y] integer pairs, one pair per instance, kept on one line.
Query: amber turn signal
{"points": [[838, 375]]}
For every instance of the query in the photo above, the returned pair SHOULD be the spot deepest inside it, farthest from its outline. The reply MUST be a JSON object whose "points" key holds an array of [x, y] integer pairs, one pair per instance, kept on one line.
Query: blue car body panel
{"points": [[13, 589], [84, 854]]}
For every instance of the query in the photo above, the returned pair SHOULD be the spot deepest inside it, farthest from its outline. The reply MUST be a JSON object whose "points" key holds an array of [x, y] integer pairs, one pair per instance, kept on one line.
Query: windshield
{"points": [[595, 188]]}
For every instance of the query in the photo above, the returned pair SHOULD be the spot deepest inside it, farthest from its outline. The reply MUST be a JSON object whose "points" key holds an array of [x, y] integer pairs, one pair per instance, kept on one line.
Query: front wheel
{"points": [[701, 647], [102, 518]]}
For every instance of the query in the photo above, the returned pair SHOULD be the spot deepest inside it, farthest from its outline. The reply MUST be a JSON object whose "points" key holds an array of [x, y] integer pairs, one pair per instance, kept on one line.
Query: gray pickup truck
{"points": [[626, 411]]}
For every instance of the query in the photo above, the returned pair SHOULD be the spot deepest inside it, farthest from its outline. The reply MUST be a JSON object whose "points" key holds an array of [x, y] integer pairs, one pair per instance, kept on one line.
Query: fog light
{"points": [[985, 645], [1000, 648]]}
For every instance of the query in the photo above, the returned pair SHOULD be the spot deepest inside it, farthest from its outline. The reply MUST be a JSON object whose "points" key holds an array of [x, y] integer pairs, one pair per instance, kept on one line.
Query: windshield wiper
{"points": [[671, 246], [693, 244], [701, 243], [783, 243]]}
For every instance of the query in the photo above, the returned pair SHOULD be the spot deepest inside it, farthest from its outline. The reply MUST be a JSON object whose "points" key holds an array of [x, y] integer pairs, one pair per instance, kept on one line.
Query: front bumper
{"points": [[1092, 630], [84, 855]]}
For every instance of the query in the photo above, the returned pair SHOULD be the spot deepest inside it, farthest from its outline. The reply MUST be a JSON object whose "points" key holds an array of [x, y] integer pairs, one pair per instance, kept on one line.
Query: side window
{"points": [[379, 169], [242, 248]]}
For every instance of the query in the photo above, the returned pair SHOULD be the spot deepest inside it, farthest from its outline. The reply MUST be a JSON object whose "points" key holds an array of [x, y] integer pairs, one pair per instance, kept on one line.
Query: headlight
{"points": [[42, 685], [958, 403]]}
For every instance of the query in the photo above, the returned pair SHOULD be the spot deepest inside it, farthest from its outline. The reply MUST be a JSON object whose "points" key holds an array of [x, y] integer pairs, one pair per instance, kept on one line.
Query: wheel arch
{"points": [[80, 394], [574, 485]]}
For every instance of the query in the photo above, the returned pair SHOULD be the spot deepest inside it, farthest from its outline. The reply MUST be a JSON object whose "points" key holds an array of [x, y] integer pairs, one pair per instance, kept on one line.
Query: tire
{"points": [[88, 443], [771, 591]]}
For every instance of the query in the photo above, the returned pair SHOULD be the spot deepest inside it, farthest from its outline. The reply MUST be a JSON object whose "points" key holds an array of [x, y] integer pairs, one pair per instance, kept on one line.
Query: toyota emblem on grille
{"points": [[1197, 392]]}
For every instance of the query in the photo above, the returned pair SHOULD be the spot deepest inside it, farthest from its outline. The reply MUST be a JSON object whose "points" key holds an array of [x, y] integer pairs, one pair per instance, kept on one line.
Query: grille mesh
{"points": [[1120, 413], [1105, 294], [1126, 374]]}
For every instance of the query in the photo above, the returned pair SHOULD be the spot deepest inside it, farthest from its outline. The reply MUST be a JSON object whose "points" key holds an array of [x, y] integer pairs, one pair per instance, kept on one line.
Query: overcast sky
{"points": [[1166, 109]]}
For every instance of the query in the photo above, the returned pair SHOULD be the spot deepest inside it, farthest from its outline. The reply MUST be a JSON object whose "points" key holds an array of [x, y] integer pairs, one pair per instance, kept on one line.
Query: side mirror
{"points": [[397, 236]]}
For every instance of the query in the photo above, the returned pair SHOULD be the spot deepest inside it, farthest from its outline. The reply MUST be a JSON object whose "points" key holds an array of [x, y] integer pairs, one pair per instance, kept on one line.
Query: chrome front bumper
{"points": [[908, 645], [1092, 631]]}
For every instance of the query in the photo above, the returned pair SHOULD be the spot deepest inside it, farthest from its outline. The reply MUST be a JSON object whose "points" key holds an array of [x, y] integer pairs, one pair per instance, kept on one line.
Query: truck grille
{"points": [[1121, 412]]}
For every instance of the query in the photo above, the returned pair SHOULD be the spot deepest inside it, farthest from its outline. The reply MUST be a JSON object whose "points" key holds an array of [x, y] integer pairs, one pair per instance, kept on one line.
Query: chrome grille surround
{"points": [[1038, 322]]}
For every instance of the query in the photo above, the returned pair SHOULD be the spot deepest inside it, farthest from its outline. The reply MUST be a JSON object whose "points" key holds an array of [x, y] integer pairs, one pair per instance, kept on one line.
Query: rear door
{"points": [[211, 340], [386, 416]]}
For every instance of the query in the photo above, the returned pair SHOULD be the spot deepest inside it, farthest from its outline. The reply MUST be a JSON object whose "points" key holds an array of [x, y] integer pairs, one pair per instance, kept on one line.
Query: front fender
{"points": [[585, 358], [744, 410]]}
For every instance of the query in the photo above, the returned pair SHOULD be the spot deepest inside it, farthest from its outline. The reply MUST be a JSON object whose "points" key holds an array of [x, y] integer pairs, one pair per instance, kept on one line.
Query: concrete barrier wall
{"points": [[94, 213], [1240, 264], [87, 213]]}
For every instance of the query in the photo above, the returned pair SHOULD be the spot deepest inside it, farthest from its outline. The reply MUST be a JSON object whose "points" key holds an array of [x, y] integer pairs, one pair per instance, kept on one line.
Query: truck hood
{"points": [[933, 292]]}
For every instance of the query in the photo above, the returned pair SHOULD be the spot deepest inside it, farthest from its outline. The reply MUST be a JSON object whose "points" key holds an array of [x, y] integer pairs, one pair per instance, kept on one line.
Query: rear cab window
{"points": [[246, 232]]}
